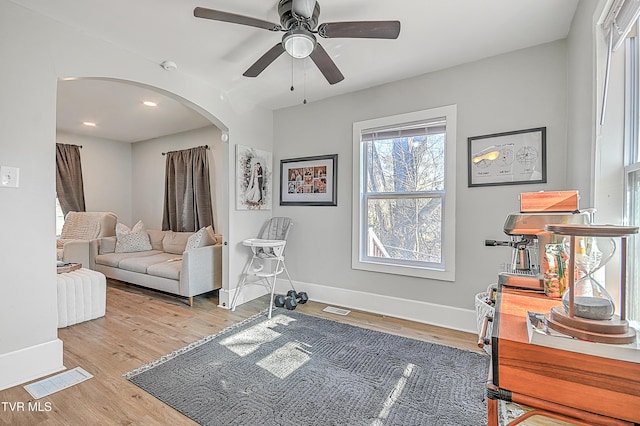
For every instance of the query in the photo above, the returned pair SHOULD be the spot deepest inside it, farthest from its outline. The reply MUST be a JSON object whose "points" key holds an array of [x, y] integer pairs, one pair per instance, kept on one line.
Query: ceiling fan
{"points": [[298, 20]]}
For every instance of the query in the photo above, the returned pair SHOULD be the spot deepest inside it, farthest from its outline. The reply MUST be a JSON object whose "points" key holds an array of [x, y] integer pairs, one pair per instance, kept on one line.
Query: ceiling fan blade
{"points": [[303, 7], [326, 65], [360, 29], [216, 15], [264, 61]]}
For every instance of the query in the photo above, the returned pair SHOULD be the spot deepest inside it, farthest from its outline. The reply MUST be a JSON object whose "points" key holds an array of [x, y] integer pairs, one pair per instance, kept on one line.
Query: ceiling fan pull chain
{"points": [[292, 74], [304, 81]]}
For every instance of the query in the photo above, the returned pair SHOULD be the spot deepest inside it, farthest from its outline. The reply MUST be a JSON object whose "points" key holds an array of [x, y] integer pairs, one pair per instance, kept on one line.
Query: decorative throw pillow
{"points": [[175, 242], [212, 234], [202, 238], [156, 238], [132, 240]]}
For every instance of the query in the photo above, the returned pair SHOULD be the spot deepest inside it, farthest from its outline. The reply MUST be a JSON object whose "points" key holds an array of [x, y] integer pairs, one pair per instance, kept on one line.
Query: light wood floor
{"points": [[142, 325]]}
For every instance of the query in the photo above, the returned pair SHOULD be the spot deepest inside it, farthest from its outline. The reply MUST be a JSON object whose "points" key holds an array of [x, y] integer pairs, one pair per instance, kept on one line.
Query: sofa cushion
{"points": [[170, 270], [155, 237], [132, 240], [141, 263], [202, 238], [175, 242], [114, 259]]}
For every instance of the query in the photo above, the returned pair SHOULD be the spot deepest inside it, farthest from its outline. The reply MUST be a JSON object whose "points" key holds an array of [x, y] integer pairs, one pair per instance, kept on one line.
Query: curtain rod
{"points": [[205, 147]]}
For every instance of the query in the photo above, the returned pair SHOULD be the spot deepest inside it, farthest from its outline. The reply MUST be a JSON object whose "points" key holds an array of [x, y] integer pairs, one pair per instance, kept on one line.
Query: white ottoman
{"points": [[82, 296]]}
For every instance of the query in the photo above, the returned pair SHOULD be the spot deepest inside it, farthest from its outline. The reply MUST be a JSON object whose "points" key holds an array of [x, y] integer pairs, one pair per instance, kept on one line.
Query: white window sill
{"points": [[410, 271]]}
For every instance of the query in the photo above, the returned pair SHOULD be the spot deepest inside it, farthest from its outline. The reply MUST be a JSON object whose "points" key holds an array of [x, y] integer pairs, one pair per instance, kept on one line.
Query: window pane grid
{"points": [[405, 164], [405, 229], [633, 214], [632, 172]]}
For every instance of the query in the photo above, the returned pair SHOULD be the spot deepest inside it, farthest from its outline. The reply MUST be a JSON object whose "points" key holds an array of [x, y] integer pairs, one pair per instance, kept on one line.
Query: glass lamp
{"points": [[299, 43]]}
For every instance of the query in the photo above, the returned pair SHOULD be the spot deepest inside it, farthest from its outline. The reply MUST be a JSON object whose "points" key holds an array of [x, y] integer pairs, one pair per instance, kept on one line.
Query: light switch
{"points": [[9, 176]]}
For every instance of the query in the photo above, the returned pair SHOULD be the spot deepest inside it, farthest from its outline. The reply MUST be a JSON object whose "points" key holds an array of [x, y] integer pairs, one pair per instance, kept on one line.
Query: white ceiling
{"points": [[118, 112], [435, 34]]}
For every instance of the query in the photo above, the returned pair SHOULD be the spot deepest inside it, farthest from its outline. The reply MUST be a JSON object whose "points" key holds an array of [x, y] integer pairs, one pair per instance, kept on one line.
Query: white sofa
{"points": [[170, 265], [78, 242]]}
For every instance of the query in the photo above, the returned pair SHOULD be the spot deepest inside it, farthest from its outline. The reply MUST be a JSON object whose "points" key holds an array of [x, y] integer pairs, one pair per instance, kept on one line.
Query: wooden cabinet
{"points": [[560, 383]]}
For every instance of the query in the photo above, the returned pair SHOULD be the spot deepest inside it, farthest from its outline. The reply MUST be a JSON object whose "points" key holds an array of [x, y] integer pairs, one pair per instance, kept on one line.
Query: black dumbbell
{"points": [[290, 303], [302, 297], [279, 300]]}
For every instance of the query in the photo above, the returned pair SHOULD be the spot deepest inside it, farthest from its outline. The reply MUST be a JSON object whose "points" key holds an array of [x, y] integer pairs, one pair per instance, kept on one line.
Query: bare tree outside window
{"points": [[405, 183], [404, 176]]}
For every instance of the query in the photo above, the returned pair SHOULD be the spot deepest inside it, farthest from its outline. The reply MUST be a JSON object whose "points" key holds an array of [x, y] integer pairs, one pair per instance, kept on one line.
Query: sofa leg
{"points": [[190, 300]]}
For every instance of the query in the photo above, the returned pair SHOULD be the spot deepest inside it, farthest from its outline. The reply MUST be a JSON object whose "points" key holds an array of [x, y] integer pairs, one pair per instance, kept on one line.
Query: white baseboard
{"points": [[423, 312], [249, 292], [30, 363]]}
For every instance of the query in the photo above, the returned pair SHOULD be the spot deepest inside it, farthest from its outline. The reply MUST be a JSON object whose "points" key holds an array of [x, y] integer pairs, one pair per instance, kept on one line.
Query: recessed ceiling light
{"points": [[89, 123], [150, 103]]}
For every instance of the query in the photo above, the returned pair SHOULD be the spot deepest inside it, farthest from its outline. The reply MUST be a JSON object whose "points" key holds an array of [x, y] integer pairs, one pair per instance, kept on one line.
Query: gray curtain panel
{"points": [[187, 191], [69, 186]]}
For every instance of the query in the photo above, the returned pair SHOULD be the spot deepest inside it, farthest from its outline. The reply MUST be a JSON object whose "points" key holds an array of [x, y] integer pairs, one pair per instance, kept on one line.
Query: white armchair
{"points": [[78, 241]]}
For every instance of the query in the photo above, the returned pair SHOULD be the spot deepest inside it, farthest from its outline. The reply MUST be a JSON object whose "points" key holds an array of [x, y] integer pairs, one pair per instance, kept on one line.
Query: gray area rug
{"points": [[296, 369]]}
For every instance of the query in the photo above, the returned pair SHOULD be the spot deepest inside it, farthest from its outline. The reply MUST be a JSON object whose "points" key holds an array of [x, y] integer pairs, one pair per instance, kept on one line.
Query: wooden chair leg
{"points": [[492, 412], [190, 300]]}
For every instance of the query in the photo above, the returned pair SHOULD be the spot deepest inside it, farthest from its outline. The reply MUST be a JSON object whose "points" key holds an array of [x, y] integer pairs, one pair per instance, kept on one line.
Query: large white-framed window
{"points": [[404, 194], [632, 172]]}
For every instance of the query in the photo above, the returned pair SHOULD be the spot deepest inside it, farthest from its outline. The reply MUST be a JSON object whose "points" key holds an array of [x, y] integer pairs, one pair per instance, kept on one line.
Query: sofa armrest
{"points": [[107, 245], [201, 270], [80, 251]]}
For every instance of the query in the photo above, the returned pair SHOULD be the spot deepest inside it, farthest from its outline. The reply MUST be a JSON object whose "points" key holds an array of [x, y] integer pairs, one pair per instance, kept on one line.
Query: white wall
{"points": [[106, 173], [518, 90], [582, 96], [37, 51], [148, 176]]}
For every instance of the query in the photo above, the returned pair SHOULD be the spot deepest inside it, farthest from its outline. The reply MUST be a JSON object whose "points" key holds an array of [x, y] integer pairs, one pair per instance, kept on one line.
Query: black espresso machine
{"points": [[528, 240]]}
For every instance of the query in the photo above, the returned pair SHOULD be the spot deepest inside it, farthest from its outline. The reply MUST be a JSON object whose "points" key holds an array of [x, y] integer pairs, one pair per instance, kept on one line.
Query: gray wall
{"points": [[518, 90]]}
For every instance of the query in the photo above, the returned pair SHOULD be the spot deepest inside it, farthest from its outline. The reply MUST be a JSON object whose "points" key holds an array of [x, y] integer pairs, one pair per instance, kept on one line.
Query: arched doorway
{"points": [[122, 163]]}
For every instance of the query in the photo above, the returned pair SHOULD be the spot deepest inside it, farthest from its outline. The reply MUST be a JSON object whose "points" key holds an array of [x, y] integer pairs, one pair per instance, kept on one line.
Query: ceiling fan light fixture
{"points": [[299, 43]]}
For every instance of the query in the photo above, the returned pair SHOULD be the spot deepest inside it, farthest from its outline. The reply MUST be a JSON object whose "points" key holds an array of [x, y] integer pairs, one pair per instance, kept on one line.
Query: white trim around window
{"points": [[446, 270]]}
